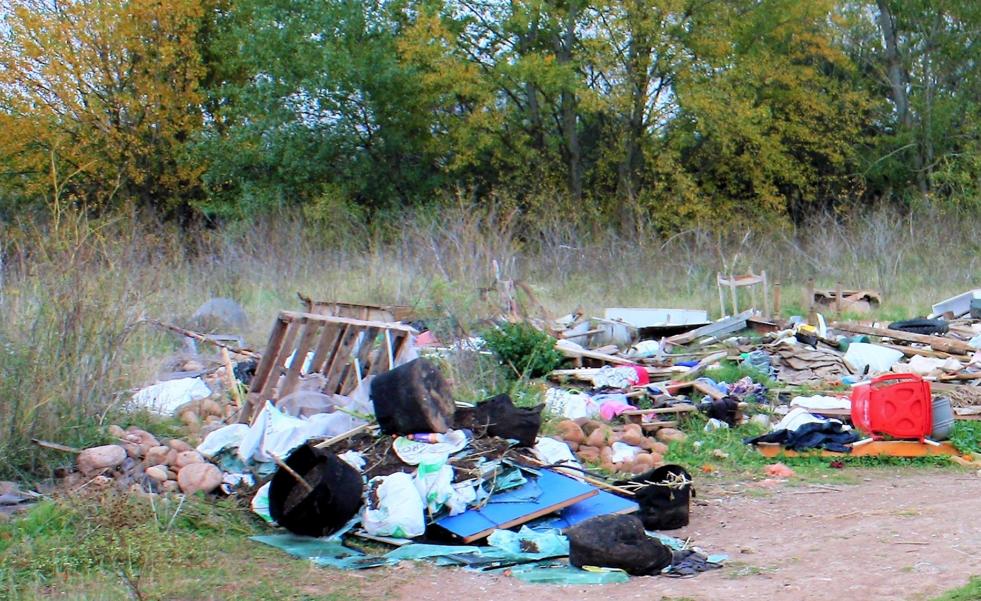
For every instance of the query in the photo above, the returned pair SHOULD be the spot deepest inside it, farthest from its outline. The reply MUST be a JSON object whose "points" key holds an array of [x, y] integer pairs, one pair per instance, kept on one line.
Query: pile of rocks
{"points": [[597, 442], [141, 462]]}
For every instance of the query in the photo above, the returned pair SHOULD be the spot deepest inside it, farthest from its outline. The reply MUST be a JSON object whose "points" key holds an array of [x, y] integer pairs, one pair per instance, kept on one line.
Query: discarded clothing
{"points": [[615, 377], [687, 563], [829, 435]]}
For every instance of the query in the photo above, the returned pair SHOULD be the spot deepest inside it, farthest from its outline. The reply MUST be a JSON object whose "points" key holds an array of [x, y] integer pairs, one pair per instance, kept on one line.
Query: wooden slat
{"points": [[342, 356], [938, 343], [328, 338], [348, 321], [272, 349], [276, 369], [309, 330]]}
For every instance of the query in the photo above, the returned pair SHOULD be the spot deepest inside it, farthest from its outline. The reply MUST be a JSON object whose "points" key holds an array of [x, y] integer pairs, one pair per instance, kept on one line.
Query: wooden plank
{"points": [[341, 359], [585, 354], [309, 331], [891, 448], [348, 321], [946, 345], [272, 350], [911, 351], [681, 408], [279, 358], [655, 426], [716, 328], [707, 390], [328, 338]]}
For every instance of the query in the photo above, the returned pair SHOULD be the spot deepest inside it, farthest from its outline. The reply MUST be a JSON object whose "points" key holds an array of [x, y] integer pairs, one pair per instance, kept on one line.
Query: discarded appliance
{"points": [[957, 305]]}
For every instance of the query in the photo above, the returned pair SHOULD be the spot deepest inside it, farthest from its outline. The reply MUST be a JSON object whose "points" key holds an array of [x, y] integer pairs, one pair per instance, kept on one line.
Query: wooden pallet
{"points": [[345, 351], [367, 312]]}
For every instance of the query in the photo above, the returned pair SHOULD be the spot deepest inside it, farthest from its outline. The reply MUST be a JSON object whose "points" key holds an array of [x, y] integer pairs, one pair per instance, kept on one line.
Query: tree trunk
{"points": [[899, 79]]}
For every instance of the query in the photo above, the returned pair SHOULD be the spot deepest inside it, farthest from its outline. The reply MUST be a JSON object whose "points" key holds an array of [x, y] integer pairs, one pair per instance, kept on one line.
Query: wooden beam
{"points": [[946, 345], [891, 448]]}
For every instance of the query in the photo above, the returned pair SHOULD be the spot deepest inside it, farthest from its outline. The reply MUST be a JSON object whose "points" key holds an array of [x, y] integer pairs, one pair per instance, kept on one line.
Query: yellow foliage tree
{"points": [[98, 99]]}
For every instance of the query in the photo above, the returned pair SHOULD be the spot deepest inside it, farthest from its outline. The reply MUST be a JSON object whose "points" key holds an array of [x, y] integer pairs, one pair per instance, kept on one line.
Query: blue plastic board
{"points": [[602, 504], [543, 495]]}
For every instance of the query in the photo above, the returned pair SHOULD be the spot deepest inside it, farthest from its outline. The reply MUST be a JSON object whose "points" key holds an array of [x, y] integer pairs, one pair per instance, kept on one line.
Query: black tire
{"points": [[920, 326]]}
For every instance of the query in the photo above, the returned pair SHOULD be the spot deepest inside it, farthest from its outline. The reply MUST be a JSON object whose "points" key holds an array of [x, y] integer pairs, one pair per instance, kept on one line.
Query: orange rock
{"points": [[570, 431], [778, 470], [670, 435]]}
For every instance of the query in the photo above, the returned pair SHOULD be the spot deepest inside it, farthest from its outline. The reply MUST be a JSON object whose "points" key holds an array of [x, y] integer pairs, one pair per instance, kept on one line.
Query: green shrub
{"points": [[526, 351], [966, 436]]}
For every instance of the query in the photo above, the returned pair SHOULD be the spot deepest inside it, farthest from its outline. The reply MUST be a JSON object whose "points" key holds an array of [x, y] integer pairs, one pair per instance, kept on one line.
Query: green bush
{"points": [[524, 350], [966, 436]]}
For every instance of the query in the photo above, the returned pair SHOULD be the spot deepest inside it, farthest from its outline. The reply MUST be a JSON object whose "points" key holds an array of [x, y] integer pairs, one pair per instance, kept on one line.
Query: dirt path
{"points": [[904, 534]]}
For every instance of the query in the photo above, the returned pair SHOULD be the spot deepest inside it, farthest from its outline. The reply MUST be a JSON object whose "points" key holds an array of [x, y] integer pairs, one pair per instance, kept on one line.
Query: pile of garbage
{"points": [[344, 427]]}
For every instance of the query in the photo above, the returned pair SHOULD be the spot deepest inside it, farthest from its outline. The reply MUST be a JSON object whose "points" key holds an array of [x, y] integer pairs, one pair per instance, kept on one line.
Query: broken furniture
{"points": [[856, 301], [343, 351], [750, 280]]}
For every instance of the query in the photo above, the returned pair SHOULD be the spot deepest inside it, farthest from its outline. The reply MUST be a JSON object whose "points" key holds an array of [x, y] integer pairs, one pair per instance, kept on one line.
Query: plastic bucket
{"points": [[943, 418]]}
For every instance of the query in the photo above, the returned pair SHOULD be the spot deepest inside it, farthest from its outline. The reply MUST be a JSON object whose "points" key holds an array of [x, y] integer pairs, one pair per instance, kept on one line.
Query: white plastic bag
{"points": [[877, 358], [398, 510], [165, 397]]}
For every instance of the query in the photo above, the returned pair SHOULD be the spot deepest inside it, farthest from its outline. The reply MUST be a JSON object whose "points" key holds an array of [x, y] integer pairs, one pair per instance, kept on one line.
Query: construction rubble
{"points": [[345, 429]]}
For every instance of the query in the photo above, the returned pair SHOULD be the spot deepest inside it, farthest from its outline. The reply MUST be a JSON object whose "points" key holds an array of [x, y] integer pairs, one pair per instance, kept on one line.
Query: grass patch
{"points": [[969, 592], [118, 546]]}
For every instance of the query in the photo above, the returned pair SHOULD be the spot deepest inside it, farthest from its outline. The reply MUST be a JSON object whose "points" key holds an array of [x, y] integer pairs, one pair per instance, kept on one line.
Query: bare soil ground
{"points": [[895, 534]]}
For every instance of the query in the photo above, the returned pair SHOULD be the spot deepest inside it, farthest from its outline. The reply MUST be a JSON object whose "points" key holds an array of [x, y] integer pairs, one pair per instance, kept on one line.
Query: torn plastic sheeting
{"points": [[277, 433], [529, 543], [222, 438], [546, 574], [415, 551], [165, 397]]}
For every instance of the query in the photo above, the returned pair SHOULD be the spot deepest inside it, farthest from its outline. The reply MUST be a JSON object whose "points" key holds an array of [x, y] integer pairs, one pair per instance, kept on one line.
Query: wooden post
{"points": [[776, 299], [809, 302], [766, 297], [838, 300], [722, 299]]}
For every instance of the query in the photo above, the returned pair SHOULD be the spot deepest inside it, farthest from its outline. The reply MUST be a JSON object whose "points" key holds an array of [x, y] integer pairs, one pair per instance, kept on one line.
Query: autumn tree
{"points": [[98, 99]]}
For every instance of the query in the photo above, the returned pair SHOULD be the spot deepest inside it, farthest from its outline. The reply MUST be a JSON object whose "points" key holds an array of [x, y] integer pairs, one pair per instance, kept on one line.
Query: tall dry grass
{"points": [[74, 290]]}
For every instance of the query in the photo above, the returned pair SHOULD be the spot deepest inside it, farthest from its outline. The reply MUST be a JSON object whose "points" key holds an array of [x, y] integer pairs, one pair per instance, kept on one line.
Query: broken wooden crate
{"points": [[342, 350]]}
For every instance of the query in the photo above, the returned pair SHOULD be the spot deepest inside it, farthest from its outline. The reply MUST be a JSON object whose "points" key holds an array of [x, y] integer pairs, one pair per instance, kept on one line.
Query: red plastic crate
{"points": [[897, 405]]}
